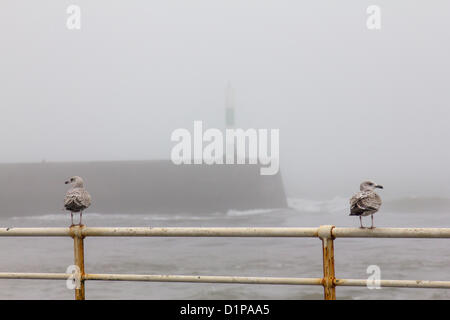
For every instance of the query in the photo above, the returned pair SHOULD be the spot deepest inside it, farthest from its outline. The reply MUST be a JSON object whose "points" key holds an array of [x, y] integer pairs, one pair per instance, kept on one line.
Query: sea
{"points": [[408, 259]]}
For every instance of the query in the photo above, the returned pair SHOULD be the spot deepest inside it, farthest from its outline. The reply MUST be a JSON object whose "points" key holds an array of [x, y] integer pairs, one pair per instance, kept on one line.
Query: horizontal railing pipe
{"points": [[36, 276], [391, 233], [293, 232], [205, 279], [395, 283], [229, 279], [200, 232], [35, 232]]}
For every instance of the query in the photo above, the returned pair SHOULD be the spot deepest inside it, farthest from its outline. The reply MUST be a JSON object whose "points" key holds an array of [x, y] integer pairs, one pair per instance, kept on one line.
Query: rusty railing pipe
{"points": [[78, 245], [329, 277]]}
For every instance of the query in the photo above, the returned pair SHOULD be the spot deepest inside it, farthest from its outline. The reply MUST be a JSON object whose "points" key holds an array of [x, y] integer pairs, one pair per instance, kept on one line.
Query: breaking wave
{"points": [[336, 204], [410, 204], [237, 213], [149, 217], [109, 216]]}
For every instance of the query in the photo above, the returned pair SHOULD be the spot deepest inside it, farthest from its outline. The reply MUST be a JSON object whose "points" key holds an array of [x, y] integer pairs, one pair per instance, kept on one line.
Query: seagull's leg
{"points": [[371, 227], [71, 217], [360, 222], [81, 216]]}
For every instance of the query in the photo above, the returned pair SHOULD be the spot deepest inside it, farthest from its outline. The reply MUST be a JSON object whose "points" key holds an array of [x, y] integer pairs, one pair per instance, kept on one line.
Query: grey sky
{"points": [[350, 103]]}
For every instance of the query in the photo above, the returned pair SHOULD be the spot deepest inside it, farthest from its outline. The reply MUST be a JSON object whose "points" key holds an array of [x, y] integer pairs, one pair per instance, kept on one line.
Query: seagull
{"points": [[77, 198], [366, 202]]}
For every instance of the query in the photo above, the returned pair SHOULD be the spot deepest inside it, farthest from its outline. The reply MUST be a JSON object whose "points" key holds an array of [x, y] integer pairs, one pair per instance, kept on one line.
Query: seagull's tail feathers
{"points": [[356, 211]]}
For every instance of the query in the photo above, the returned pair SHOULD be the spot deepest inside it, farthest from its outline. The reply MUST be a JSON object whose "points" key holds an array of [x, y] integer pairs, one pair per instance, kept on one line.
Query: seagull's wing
{"points": [[70, 197], [85, 199], [355, 199], [78, 198], [363, 202], [371, 202]]}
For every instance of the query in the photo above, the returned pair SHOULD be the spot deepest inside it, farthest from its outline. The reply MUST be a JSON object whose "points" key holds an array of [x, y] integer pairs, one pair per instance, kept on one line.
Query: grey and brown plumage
{"points": [[77, 199], [366, 202]]}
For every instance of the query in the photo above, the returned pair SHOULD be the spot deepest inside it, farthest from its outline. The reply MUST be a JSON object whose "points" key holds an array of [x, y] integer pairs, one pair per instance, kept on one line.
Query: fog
{"points": [[350, 103]]}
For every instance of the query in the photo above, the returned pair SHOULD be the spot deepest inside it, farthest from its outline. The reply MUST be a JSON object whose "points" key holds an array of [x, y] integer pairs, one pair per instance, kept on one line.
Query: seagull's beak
{"points": [[379, 186], [67, 182]]}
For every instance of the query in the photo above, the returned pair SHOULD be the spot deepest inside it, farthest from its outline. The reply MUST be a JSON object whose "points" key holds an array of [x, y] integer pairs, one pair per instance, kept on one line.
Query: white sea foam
{"points": [[336, 204], [170, 217], [113, 216], [237, 213], [149, 217], [43, 217]]}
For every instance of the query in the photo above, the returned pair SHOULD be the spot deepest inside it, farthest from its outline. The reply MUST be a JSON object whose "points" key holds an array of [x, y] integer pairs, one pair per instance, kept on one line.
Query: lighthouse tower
{"points": [[230, 155], [229, 106]]}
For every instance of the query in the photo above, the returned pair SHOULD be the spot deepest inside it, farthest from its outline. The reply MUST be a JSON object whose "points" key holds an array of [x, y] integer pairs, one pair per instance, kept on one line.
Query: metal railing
{"points": [[326, 233]]}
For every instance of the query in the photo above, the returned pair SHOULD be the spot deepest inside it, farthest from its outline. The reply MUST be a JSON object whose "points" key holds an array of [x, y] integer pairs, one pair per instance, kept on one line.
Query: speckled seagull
{"points": [[366, 202], [77, 198]]}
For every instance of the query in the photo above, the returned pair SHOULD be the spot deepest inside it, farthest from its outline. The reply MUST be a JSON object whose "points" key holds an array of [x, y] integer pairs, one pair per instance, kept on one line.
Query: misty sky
{"points": [[350, 103]]}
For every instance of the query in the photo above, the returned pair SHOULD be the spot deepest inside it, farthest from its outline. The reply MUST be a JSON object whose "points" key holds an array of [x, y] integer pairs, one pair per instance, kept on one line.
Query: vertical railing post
{"points": [[78, 245], [328, 281]]}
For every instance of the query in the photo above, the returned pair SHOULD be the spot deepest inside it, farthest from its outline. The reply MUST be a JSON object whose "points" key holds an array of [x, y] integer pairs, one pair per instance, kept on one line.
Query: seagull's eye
{"points": [[71, 180]]}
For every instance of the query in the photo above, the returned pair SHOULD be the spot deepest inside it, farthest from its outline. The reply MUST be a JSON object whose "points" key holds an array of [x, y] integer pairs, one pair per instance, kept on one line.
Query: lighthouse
{"points": [[230, 155], [229, 106]]}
